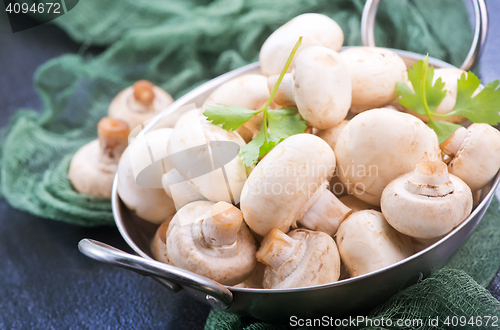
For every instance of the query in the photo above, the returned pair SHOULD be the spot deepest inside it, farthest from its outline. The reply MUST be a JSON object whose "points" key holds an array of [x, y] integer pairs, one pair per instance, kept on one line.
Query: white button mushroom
{"points": [[331, 135], [300, 259], [212, 240], [151, 204], [138, 103], [319, 86], [357, 205], [316, 30], [368, 243], [426, 203], [375, 73], [247, 91], [289, 186], [159, 242], [93, 167], [379, 145], [476, 154], [191, 141]]}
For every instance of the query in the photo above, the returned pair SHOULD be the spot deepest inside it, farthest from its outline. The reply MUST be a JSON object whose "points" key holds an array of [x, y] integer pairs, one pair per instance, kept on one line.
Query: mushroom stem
{"points": [[284, 94], [113, 136], [222, 226], [143, 92], [326, 214], [276, 248], [430, 179], [452, 144]]}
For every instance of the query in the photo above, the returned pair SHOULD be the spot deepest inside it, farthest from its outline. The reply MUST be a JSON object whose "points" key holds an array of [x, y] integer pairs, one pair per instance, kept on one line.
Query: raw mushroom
{"points": [[331, 135], [379, 145], [300, 259], [476, 154], [357, 205], [138, 103], [420, 244], [375, 73], [159, 242], [315, 29], [93, 167], [319, 86], [151, 204], [255, 279], [197, 132], [450, 77], [427, 202], [247, 91], [179, 190], [368, 243], [289, 186], [212, 240]]}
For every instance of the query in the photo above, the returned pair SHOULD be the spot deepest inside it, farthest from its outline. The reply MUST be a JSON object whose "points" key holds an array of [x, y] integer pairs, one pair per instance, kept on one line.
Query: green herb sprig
{"points": [[426, 96], [277, 125]]}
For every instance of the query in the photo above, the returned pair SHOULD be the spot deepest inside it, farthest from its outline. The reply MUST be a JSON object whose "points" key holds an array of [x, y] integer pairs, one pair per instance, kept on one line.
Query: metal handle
{"points": [[480, 30], [216, 295]]}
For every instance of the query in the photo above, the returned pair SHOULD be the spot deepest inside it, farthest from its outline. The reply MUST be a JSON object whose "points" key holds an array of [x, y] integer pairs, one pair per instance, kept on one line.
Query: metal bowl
{"points": [[340, 298]]}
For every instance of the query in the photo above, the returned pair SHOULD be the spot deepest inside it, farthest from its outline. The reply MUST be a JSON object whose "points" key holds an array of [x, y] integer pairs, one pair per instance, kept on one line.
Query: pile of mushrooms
{"points": [[279, 224]]}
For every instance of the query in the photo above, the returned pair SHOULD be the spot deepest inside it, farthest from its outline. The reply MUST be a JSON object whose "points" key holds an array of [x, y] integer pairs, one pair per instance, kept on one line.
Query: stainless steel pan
{"points": [[344, 297]]}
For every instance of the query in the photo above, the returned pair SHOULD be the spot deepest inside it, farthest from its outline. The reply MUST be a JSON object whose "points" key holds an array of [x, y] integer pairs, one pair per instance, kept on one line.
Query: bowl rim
{"points": [[184, 100]]}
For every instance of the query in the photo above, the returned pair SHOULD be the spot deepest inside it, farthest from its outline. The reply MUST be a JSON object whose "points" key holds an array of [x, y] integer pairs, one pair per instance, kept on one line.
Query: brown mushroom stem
{"points": [[452, 144], [143, 92], [113, 136], [326, 214], [276, 248], [222, 226], [430, 179]]}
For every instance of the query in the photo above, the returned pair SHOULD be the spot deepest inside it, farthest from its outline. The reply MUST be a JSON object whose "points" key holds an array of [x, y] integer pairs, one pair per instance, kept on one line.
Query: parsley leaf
{"points": [[482, 108], [424, 92], [231, 117], [443, 129], [277, 125], [280, 124]]}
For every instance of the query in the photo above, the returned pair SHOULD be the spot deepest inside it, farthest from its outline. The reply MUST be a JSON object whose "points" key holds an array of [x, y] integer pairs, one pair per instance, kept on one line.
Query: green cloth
{"points": [[180, 44]]}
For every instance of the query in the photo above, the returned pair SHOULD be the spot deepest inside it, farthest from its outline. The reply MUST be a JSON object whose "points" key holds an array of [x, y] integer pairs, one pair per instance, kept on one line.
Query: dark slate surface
{"points": [[44, 281]]}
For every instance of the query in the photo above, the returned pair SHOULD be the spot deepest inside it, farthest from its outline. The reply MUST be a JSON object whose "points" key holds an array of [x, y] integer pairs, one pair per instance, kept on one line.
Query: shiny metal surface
{"points": [[480, 29], [216, 295], [340, 298], [348, 296]]}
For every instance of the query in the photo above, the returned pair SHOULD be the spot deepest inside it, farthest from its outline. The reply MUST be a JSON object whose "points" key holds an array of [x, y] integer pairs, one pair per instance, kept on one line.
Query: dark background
{"points": [[44, 281]]}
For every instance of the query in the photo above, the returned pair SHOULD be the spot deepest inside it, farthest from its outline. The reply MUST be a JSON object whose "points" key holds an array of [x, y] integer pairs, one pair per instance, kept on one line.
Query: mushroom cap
{"points": [[159, 242], [315, 29], [288, 180], [247, 91], [331, 135], [316, 261], [368, 243], [379, 145], [425, 216], [228, 265], [125, 107], [322, 87], [151, 204], [450, 77], [89, 174], [357, 205], [478, 158], [375, 73], [196, 131]]}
